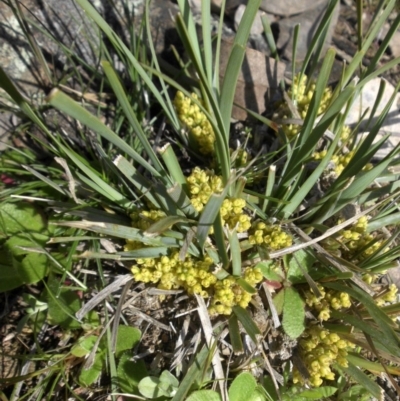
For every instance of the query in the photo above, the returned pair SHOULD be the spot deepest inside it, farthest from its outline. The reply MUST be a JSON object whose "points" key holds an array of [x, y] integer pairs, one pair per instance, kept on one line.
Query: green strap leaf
{"points": [[248, 323]]}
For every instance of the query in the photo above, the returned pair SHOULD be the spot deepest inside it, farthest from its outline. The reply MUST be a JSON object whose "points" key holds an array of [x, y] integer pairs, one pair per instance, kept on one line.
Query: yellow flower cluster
{"points": [[195, 121], [358, 244], [202, 184], [344, 135], [240, 157], [169, 272], [270, 235], [193, 274], [319, 349], [342, 160], [328, 300], [302, 98], [388, 296], [142, 220], [228, 293]]}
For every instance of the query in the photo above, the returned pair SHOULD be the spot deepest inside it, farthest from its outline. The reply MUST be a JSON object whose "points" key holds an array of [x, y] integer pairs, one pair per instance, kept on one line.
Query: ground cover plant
{"points": [[174, 254]]}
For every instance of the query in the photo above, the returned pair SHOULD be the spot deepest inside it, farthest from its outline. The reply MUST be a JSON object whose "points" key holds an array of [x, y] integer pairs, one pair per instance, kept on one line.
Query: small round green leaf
{"points": [[270, 271], [33, 267], [258, 394], [127, 338], [242, 387], [150, 387], [204, 395], [19, 240], [299, 262], [21, 217], [83, 346]]}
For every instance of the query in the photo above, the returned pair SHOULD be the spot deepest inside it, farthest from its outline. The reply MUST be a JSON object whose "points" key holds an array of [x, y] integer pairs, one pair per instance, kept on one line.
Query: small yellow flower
{"points": [[195, 121]]}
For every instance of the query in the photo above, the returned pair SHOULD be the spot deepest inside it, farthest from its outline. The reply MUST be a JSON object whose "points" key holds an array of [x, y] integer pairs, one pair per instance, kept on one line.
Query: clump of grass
{"points": [[217, 224]]}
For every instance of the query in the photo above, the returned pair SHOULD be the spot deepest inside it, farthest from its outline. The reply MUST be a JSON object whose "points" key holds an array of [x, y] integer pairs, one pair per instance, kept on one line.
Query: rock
{"points": [[394, 44], [230, 6], [308, 22], [391, 124], [258, 79], [394, 276], [290, 7], [66, 22], [257, 27]]}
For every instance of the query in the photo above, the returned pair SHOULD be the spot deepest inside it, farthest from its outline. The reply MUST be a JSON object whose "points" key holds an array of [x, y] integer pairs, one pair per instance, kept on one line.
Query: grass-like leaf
{"points": [[361, 378], [235, 62], [65, 104], [248, 323], [124, 102]]}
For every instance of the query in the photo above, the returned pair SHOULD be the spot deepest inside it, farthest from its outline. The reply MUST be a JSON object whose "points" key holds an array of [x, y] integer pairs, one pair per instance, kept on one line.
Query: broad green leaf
{"points": [[10, 277], [142, 184], [149, 252], [242, 387], [168, 377], [270, 271], [83, 346], [171, 161], [258, 394], [127, 338], [204, 395], [130, 373], [88, 376], [293, 313], [269, 387], [168, 383], [33, 267], [318, 393], [294, 272], [21, 217], [63, 304], [22, 240], [150, 387], [279, 300], [178, 195], [30, 270]]}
